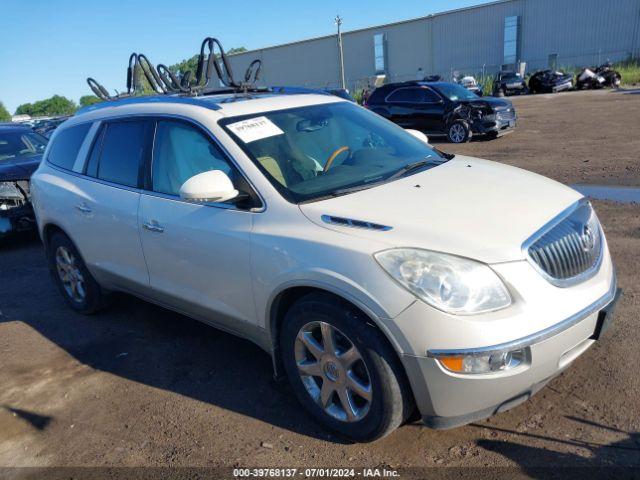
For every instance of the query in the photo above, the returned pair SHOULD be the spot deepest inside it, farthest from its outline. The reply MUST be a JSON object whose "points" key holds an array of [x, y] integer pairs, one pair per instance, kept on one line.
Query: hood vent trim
{"points": [[349, 222]]}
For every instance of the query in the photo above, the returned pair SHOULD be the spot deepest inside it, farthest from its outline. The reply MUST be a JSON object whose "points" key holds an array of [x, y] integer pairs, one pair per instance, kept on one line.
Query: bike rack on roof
{"points": [[163, 81]]}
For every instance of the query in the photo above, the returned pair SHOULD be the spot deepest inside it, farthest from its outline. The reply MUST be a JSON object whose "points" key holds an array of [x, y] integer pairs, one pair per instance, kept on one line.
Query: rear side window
{"points": [[377, 96], [66, 145], [121, 147]]}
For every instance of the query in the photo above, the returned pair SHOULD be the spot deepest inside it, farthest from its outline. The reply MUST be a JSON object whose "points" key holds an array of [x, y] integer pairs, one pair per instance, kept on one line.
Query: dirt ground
{"points": [[140, 386]]}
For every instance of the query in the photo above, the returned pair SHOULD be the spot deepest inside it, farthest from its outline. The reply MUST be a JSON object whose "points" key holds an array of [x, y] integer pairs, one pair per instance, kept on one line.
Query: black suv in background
{"points": [[441, 108], [509, 83], [21, 150]]}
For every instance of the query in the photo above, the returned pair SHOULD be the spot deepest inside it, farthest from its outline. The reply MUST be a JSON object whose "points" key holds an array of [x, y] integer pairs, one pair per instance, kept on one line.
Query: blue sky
{"points": [[50, 46]]}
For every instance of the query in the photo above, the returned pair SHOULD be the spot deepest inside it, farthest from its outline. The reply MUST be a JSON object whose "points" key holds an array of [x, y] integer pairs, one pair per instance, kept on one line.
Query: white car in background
{"points": [[381, 274]]}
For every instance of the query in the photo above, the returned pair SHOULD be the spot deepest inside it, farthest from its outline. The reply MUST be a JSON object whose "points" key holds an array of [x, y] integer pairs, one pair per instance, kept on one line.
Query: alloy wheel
{"points": [[457, 133], [70, 275], [333, 371]]}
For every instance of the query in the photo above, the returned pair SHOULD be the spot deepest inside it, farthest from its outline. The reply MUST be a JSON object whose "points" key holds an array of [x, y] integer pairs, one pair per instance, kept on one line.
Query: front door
{"points": [[198, 255]]}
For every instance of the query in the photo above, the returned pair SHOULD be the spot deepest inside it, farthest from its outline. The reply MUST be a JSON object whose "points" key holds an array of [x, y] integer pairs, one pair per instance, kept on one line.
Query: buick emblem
{"points": [[588, 238]]}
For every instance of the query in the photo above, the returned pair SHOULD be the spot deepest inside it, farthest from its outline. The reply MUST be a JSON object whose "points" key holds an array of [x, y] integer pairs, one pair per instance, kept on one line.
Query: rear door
{"points": [[198, 255], [106, 208], [416, 107]]}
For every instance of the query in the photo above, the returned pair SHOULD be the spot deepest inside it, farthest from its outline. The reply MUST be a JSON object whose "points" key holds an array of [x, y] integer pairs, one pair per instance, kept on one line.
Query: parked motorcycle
{"points": [[612, 77], [604, 76], [588, 79]]}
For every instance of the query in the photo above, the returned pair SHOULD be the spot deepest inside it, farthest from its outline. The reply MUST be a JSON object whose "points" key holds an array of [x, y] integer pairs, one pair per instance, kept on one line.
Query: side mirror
{"points": [[418, 134], [211, 186]]}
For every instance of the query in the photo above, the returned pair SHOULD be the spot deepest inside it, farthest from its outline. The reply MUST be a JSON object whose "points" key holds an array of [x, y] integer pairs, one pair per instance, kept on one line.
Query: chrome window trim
{"points": [[386, 99], [581, 277], [537, 337], [96, 180]]}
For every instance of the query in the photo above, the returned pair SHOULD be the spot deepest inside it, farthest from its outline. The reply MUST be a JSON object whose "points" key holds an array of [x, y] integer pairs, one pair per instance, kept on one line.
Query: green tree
{"points": [[56, 105], [87, 100], [5, 116]]}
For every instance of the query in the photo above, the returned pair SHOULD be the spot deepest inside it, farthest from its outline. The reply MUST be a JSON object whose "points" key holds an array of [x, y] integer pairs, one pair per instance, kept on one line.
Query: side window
{"points": [[122, 152], [413, 95], [180, 152], [65, 146], [407, 95], [429, 96]]}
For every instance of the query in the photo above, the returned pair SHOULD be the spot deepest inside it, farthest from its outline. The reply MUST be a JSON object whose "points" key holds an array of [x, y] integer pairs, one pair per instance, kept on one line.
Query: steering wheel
{"points": [[333, 156]]}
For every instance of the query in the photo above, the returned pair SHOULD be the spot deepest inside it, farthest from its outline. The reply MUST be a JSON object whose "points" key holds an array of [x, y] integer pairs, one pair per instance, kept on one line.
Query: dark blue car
{"points": [[21, 150]]}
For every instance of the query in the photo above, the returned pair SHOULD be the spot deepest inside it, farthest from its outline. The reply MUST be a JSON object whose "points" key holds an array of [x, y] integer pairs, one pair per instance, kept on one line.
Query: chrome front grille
{"points": [[506, 115], [569, 249]]}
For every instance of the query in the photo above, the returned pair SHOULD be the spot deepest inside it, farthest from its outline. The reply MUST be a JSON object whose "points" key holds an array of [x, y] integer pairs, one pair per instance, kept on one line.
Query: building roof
{"points": [[373, 27]]}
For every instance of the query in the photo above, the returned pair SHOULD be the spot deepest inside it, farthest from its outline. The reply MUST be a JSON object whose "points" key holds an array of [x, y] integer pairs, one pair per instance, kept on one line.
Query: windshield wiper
{"points": [[407, 168], [404, 170], [344, 191]]}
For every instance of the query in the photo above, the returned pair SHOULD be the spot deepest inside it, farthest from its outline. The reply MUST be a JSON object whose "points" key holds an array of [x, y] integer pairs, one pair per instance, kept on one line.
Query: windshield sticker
{"points": [[255, 129]]}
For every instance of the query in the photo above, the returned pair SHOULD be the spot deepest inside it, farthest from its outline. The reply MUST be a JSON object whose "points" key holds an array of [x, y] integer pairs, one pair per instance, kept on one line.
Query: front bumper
{"points": [[17, 219], [562, 87], [494, 127], [448, 399], [515, 89]]}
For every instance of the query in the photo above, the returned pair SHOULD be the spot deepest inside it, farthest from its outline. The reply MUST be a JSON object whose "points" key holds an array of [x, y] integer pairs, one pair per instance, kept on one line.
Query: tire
{"points": [[491, 136], [66, 262], [387, 400], [458, 132]]}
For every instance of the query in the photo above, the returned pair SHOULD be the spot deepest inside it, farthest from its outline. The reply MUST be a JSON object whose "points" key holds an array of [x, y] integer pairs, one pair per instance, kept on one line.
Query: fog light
{"points": [[491, 362]]}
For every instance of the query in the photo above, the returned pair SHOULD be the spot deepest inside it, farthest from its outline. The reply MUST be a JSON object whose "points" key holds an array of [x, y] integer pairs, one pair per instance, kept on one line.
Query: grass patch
{"points": [[630, 71]]}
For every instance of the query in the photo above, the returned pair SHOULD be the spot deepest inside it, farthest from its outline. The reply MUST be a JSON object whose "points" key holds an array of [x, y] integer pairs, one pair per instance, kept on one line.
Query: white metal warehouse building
{"points": [[483, 38]]}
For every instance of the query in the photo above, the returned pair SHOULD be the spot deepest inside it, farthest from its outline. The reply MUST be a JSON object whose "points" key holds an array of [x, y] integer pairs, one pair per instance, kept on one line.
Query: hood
{"points": [[468, 207], [20, 168], [492, 102]]}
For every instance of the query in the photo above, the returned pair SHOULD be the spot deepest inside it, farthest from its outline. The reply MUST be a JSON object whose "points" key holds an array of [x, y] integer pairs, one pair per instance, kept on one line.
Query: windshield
{"points": [[20, 143], [511, 76], [321, 150], [455, 92]]}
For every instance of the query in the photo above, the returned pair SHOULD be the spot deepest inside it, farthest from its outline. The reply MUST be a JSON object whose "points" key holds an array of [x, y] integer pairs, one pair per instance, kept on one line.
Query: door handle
{"points": [[153, 226], [83, 208]]}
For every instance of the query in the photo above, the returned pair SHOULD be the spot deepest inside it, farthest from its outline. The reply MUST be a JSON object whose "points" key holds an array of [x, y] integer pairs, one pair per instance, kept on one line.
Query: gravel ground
{"points": [[140, 386]]}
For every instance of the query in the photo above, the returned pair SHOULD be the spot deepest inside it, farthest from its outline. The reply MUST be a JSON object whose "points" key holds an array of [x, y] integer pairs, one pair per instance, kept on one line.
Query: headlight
{"points": [[8, 190], [447, 282]]}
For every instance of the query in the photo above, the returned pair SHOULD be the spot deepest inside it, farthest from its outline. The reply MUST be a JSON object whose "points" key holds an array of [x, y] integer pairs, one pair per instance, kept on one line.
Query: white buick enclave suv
{"points": [[382, 275]]}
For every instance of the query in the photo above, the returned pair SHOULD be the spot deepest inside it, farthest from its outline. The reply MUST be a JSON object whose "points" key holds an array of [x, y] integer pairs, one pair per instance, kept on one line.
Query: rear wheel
{"points": [[70, 274], [458, 132], [343, 370]]}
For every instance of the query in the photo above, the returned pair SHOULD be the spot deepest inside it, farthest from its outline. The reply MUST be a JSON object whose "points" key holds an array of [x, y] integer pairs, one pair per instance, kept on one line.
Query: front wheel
{"points": [[343, 370], [458, 132]]}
